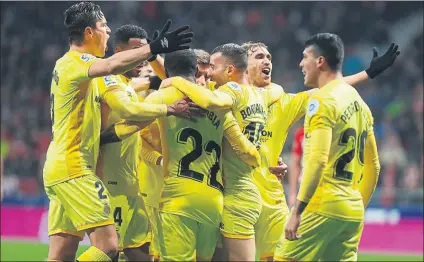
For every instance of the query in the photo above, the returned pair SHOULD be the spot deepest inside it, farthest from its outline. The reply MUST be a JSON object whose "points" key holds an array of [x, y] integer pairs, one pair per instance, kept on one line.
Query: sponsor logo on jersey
{"points": [[313, 106], [86, 57], [109, 81], [106, 209], [234, 86]]}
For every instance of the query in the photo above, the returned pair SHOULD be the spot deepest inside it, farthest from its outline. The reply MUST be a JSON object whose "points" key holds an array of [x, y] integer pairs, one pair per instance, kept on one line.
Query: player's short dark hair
{"points": [[125, 32], [252, 46], [236, 54], [78, 17], [329, 46], [181, 63], [203, 57]]}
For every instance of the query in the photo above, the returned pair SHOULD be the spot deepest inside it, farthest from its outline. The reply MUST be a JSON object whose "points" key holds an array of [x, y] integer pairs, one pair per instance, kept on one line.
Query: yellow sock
{"points": [[93, 254]]}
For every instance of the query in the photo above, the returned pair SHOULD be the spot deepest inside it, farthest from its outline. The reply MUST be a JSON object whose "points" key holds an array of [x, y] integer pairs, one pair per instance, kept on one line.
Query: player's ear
{"points": [[230, 70], [89, 31], [320, 61], [118, 49]]}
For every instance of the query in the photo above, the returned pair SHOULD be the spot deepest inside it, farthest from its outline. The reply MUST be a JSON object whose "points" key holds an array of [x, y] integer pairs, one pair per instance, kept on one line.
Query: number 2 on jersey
{"points": [[184, 165], [340, 165]]}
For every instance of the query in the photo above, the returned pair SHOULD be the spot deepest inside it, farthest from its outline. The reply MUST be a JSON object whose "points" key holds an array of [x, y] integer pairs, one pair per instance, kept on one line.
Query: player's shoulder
{"points": [[109, 81], [78, 58], [233, 86], [320, 101]]}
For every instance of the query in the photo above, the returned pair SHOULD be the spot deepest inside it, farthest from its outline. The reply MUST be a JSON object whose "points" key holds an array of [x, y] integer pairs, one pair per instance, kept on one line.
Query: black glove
{"points": [[154, 37], [380, 63], [155, 82], [168, 42]]}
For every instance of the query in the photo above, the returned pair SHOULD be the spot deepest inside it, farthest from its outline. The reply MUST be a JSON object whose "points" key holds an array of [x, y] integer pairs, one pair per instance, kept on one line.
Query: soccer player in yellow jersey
{"points": [[192, 201], [117, 163], [79, 202], [340, 162], [281, 116], [242, 202]]}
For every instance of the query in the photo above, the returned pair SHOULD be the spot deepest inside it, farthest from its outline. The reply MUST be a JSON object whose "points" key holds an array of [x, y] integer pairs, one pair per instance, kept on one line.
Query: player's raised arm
{"points": [[371, 168], [377, 66], [118, 100], [156, 61], [239, 142], [124, 61], [207, 99]]}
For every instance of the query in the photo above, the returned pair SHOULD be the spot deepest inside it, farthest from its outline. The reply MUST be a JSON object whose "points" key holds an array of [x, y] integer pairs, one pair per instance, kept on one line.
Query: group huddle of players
{"points": [[191, 170]]}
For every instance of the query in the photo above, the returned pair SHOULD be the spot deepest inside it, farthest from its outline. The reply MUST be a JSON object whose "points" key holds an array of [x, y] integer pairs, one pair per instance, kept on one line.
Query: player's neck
{"points": [[327, 77], [81, 49]]}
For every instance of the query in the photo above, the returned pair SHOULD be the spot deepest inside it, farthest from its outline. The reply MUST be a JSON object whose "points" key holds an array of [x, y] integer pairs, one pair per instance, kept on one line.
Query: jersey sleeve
{"points": [[117, 99], [147, 152], [80, 66], [205, 98], [244, 149], [320, 148], [273, 93], [371, 168], [295, 106], [232, 89], [320, 113], [121, 130]]}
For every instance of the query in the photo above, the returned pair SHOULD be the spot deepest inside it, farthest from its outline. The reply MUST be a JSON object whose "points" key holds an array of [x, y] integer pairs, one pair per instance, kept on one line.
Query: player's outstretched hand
{"points": [[291, 227], [380, 63], [280, 170], [167, 42], [186, 109]]}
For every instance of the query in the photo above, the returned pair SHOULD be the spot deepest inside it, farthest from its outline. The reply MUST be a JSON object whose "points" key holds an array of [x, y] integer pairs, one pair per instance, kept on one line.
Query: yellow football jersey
{"points": [[75, 115], [250, 108], [191, 152], [118, 162], [281, 115], [339, 106], [150, 174]]}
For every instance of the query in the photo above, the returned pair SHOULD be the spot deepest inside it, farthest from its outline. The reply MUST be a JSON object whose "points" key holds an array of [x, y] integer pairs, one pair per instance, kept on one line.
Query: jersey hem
{"points": [[338, 217], [94, 225], [69, 232], [237, 236]]}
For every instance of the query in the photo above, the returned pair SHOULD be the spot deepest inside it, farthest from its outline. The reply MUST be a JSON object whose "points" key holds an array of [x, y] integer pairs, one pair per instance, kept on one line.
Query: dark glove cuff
{"points": [[152, 58], [372, 73], [155, 82]]}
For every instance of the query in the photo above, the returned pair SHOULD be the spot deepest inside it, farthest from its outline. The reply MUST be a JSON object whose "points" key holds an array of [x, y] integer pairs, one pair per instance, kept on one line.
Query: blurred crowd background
{"points": [[33, 37]]}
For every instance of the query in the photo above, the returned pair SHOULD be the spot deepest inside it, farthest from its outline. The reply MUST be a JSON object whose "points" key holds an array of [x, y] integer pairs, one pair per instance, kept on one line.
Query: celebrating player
{"points": [[79, 202], [281, 117], [192, 202], [327, 219], [117, 163], [242, 203]]}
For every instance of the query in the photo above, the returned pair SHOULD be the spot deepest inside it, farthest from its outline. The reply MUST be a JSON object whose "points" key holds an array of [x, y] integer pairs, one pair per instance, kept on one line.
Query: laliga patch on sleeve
{"points": [[86, 57], [234, 86], [109, 81], [313, 106]]}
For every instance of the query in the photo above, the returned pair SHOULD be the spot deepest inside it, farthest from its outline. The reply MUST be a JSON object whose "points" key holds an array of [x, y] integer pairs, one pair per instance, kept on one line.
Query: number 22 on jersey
{"points": [[198, 148]]}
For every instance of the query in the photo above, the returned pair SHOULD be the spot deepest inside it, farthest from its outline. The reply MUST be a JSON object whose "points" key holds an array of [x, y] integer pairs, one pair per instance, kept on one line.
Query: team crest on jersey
{"points": [[109, 81], [313, 106], [86, 57], [234, 86]]}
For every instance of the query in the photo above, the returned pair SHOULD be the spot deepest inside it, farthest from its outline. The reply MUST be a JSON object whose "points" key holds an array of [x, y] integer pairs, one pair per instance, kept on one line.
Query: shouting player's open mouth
{"points": [[266, 72]]}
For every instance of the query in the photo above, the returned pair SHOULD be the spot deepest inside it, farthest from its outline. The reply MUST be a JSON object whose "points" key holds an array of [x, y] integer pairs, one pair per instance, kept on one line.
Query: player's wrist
{"points": [[170, 110]]}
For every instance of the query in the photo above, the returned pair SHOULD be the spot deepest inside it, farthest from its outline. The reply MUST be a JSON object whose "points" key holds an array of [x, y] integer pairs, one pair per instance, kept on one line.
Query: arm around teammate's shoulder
{"points": [[243, 148], [120, 62], [205, 98]]}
